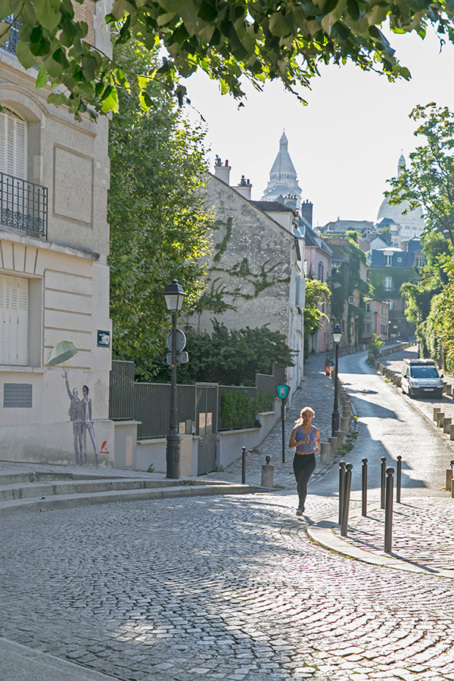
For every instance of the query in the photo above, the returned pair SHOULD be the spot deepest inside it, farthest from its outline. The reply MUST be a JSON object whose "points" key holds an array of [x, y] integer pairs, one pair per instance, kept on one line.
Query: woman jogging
{"points": [[306, 438]]}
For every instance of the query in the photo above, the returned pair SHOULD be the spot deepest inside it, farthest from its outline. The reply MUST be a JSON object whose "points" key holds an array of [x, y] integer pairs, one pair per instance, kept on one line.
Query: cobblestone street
{"points": [[219, 588], [232, 587]]}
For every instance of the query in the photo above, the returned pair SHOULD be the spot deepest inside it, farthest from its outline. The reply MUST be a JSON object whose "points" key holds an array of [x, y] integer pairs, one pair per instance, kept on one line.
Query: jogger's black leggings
{"points": [[303, 467]]}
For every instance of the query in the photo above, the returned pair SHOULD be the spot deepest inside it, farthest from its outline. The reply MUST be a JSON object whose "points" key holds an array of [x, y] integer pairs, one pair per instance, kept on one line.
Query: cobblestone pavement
{"points": [[421, 532], [230, 587], [218, 588]]}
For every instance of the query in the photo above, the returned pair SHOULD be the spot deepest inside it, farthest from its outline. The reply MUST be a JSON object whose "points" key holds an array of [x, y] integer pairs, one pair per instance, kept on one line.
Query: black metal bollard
{"points": [[346, 501], [399, 479], [382, 484], [364, 488], [389, 510], [341, 489], [243, 465]]}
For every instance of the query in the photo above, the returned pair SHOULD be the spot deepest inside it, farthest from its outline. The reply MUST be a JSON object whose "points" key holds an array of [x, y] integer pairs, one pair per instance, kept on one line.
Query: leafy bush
{"points": [[239, 409], [374, 346], [264, 401]]}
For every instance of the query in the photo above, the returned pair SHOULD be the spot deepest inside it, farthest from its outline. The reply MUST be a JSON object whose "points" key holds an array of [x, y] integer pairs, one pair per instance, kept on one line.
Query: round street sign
{"points": [[181, 341]]}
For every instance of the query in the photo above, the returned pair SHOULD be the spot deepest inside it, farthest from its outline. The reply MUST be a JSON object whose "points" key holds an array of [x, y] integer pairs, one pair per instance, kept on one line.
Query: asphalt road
{"points": [[231, 587], [389, 424]]}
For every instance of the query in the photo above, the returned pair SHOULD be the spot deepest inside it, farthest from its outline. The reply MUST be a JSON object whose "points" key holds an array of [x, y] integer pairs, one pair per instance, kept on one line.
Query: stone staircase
{"points": [[33, 490]]}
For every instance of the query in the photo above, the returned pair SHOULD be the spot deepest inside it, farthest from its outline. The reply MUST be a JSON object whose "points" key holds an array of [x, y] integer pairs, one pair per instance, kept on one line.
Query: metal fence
{"points": [[199, 405], [23, 205], [121, 391], [152, 401]]}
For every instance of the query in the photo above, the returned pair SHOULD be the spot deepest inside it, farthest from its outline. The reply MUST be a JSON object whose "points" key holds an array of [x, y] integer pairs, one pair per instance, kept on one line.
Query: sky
{"points": [[345, 144]]}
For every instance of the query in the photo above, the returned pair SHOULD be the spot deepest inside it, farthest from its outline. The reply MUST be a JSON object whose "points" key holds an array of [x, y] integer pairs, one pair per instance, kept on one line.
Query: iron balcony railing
{"points": [[13, 35], [23, 205]]}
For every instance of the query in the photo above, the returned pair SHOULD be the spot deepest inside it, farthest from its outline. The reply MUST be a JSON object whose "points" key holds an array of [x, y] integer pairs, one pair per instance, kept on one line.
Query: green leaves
{"points": [[228, 39], [48, 13]]}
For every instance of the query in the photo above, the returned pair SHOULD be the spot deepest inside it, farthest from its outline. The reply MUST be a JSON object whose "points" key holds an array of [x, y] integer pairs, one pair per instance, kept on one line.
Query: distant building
{"points": [[256, 275], [317, 265], [341, 226], [403, 223], [283, 183], [389, 268]]}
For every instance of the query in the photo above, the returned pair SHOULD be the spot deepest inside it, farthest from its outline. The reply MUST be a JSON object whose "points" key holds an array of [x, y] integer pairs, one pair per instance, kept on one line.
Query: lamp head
{"points": [[337, 333], [174, 296]]}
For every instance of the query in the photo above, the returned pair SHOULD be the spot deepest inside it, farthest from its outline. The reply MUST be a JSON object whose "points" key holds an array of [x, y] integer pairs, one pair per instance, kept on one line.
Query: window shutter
{"points": [[13, 145], [14, 320]]}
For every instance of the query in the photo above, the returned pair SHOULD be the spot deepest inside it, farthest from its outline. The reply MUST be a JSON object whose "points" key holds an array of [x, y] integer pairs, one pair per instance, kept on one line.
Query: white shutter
{"points": [[14, 320], [13, 145]]}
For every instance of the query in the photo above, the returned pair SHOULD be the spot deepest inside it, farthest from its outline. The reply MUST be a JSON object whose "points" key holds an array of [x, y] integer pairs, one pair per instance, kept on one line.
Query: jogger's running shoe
{"points": [[300, 510]]}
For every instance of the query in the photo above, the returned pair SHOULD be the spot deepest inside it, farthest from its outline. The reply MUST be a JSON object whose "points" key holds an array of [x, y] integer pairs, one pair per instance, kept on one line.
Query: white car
{"points": [[420, 378]]}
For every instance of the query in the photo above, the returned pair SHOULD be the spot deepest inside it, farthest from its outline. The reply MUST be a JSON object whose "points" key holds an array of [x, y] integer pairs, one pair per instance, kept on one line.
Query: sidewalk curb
{"points": [[66, 501], [323, 534]]}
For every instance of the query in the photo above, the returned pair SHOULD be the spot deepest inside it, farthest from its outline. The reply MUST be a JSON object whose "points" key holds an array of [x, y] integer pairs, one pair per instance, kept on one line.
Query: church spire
{"points": [[283, 180]]}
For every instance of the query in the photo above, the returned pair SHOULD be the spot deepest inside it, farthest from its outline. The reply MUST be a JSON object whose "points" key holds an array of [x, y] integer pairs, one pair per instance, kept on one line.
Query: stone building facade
{"points": [[256, 268], [54, 277]]}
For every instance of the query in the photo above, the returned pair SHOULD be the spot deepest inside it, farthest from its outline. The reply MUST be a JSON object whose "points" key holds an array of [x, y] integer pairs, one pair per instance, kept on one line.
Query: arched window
{"points": [[13, 144]]}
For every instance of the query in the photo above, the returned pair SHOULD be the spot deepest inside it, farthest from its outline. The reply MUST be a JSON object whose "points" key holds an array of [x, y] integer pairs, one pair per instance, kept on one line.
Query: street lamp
{"points": [[337, 335], [356, 330], [174, 296]]}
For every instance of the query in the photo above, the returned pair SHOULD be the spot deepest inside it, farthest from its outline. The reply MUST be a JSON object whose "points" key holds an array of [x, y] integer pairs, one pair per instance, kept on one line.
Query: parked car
{"points": [[420, 378]]}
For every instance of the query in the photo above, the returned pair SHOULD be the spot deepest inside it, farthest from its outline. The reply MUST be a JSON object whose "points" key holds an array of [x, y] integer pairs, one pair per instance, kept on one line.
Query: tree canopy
{"points": [[428, 182], [157, 218], [228, 39], [229, 356]]}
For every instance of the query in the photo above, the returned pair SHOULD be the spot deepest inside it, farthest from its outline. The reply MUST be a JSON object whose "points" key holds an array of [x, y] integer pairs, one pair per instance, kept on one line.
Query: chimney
{"points": [[306, 211], [222, 172], [245, 188]]}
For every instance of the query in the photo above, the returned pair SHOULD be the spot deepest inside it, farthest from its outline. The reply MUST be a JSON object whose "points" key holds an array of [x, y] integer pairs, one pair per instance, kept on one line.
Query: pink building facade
{"points": [[317, 265]]}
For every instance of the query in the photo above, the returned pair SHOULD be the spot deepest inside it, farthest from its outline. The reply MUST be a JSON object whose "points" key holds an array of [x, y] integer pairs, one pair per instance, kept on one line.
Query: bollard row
{"points": [[387, 494]]}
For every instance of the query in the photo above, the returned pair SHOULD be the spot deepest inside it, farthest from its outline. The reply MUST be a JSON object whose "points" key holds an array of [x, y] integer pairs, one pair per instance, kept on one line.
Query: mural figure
{"points": [[76, 414], [87, 424]]}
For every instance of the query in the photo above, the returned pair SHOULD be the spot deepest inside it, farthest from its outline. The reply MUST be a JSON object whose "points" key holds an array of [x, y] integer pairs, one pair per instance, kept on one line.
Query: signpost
{"points": [[282, 392]]}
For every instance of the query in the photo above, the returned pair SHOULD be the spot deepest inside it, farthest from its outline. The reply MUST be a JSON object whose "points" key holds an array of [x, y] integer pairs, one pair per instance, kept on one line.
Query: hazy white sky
{"points": [[345, 144]]}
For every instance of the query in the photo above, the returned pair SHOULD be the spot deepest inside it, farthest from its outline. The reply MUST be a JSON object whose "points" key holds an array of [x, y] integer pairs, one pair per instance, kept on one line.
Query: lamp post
{"points": [[356, 330], [174, 296], [337, 334]]}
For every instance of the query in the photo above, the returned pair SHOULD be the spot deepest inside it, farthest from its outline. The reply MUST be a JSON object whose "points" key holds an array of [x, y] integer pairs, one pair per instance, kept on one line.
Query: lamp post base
{"points": [[335, 420], [173, 456]]}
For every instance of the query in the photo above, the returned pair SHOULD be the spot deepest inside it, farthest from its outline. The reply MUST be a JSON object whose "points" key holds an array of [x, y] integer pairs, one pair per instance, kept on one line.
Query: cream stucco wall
{"points": [[67, 272]]}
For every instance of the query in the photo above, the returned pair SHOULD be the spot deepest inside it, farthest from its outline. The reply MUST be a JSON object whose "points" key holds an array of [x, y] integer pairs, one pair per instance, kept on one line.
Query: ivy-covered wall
{"points": [[399, 277]]}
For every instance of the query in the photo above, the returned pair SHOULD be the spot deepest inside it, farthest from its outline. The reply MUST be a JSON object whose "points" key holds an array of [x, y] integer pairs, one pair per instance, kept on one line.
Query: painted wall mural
{"points": [[80, 414]]}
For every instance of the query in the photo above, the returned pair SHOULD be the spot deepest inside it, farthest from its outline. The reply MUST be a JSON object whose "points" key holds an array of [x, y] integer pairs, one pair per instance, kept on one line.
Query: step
{"points": [[63, 501], [39, 490]]}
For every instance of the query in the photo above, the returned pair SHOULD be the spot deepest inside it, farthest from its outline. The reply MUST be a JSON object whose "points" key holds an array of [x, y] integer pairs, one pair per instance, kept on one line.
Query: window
{"points": [[321, 272], [13, 144], [388, 260], [367, 307], [389, 303], [13, 320], [388, 284], [367, 326], [419, 261]]}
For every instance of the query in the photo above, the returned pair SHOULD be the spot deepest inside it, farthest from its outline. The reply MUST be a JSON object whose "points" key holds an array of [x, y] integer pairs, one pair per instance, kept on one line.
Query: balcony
{"points": [[13, 36], [23, 206]]}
